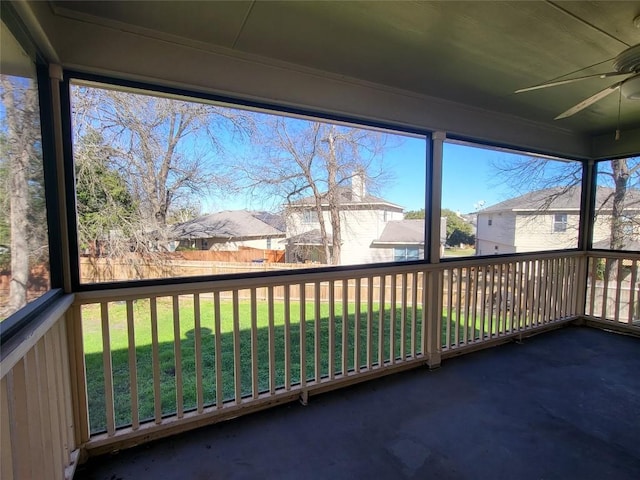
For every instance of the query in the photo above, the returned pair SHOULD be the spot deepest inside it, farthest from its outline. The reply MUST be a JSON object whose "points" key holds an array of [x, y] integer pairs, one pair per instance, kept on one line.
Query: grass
{"points": [[118, 334], [459, 252], [185, 343]]}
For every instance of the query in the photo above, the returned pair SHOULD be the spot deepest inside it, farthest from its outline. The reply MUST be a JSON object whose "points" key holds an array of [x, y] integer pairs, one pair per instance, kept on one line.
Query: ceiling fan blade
{"points": [[589, 101], [571, 80]]}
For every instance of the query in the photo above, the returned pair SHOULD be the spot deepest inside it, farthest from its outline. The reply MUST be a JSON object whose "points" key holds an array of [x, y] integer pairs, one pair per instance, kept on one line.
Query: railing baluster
{"points": [[414, 313], [217, 321], [531, 283], [237, 366], [369, 322], [473, 313], [272, 341], [467, 298], [287, 337], [593, 263], [459, 320], [332, 330], [493, 329], [254, 344], [197, 346], [177, 348], [303, 335], [403, 317], [449, 309], [316, 335], [133, 371], [538, 292], [605, 290], [425, 318], [632, 291], [616, 315], [345, 327], [357, 327], [155, 359], [381, 309], [392, 321], [500, 301], [483, 302], [107, 369]]}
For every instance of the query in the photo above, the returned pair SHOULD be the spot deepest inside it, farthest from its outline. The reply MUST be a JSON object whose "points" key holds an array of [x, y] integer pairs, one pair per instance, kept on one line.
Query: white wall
{"points": [[359, 227]]}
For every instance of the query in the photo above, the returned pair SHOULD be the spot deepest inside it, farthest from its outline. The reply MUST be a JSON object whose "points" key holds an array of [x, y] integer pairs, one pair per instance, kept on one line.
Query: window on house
{"points": [[233, 174], [404, 254], [309, 216], [617, 204], [24, 245], [559, 222], [493, 195], [268, 244]]}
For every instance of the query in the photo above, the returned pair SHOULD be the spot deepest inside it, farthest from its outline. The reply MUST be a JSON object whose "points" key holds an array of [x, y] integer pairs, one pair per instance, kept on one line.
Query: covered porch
{"points": [[497, 366]]}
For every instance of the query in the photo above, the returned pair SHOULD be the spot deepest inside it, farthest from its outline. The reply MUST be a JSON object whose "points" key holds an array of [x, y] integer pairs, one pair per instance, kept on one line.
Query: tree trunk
{"points": [[620, 171], [334, 202], [19, 116]]}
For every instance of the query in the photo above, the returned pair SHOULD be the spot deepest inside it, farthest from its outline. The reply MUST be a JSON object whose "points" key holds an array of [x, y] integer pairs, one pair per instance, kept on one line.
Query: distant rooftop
{"points": [[231, 224], [347, 197], [403, 232], [561, 199]]}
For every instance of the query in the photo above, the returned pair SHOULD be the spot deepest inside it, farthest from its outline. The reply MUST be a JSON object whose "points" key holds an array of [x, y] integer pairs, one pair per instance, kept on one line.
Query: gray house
{"points": [[229, 230]]}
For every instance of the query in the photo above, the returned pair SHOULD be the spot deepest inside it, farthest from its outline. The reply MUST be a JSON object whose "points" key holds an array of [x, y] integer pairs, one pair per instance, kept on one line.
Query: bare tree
{"points": [[167, 149], [617, 196], [166, 153], [311, 165], [22, 135]]}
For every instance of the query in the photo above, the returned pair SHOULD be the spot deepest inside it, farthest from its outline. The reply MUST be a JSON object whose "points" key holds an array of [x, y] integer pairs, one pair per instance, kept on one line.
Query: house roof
{"points": [[561, 199], [231, 224], [401, 232], [346, 198]]}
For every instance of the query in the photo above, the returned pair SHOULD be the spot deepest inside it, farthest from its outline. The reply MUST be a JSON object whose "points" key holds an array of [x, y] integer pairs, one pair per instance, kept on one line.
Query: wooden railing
{"points": [[37, 411], [613, 290], [164, 359]]}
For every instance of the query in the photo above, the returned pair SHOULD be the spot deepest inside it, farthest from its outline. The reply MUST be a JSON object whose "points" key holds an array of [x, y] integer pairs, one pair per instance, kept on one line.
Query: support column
{"points": [[433, 284]]}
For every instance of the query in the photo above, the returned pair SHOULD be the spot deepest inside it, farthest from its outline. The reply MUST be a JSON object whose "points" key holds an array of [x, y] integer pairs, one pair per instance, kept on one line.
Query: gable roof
{"points": [[231, 224], [561, 199], [401, 232], [346, 197]]}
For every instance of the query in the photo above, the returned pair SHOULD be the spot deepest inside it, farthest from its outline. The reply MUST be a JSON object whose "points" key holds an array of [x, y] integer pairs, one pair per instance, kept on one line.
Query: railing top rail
{"points": [[610, 254], [294, 278]]}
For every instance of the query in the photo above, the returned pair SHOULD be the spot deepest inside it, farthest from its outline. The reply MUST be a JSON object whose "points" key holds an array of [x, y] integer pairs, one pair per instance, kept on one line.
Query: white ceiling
{"points": [[472, 53]]}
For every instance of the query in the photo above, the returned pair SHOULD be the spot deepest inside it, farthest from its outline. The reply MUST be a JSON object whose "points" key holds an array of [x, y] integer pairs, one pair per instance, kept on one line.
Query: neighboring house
{"points": [[230, 230], [548, 219], [400, 240], [363, 219]]}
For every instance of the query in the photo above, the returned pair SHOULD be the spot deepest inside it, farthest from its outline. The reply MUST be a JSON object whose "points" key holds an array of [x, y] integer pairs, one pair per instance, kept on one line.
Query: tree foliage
{"points": [[458, 230]]}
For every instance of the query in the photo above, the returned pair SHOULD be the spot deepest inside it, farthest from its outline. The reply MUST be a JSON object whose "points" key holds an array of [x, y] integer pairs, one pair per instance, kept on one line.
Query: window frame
{"points": [[560, 226], [227, 101], [15, 322]]}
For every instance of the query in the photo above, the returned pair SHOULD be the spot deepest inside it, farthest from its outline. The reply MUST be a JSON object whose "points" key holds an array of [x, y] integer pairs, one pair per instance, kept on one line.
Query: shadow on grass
{"points": [[187, 348]]}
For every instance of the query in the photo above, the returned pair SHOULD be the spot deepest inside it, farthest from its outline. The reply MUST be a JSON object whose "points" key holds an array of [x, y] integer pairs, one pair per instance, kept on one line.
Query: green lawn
{"points": [[142, 326], [118, 333]]}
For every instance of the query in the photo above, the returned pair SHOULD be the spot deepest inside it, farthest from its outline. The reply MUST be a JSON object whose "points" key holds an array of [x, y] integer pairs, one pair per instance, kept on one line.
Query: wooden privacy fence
{"points": [[136, 267], [168, 358]]}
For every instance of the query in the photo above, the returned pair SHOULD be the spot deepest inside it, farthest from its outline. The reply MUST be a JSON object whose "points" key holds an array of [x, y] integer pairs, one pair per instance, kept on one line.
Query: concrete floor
{"points": [[563, 405]]}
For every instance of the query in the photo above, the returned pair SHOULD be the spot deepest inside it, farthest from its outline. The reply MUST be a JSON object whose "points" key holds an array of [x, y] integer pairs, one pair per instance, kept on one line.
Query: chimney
{"points": [[357, 187]]}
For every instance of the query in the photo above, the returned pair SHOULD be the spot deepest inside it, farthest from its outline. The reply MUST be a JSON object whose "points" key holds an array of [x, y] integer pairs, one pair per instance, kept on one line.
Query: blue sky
{"points": [[468, 178]]}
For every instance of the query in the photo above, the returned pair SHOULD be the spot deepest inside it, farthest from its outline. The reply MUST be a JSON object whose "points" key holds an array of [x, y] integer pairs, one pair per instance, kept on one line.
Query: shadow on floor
{"points": [[562, 405]]}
